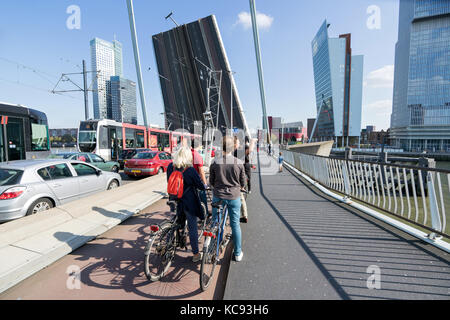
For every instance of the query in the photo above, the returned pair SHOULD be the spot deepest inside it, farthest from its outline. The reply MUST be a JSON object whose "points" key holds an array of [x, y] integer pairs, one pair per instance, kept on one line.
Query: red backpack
{"points": [[175, 185]]}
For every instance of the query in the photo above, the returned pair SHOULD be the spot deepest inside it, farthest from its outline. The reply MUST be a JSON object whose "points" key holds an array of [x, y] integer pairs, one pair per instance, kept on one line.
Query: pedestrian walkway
{"points": [[301, 244], [111, 267]]}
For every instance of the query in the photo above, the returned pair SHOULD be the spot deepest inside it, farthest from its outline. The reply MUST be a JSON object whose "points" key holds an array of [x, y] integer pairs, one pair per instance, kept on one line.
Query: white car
{"points": [[30, 186]]}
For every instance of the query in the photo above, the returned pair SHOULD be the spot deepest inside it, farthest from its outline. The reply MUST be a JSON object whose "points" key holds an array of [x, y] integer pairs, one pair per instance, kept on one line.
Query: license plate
{"points": [[136, 171]]}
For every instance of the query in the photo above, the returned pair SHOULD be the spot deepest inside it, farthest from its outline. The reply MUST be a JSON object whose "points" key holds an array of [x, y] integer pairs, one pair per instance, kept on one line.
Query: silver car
{"points": [[30, 186]]}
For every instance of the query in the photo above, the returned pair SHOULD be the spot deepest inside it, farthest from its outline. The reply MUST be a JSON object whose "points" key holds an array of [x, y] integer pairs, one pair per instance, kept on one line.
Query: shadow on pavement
{"points": [[118, 264], [343, 244]]}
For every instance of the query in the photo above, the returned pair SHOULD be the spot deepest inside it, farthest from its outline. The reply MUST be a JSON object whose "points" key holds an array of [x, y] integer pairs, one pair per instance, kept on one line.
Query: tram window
{"points": [[119, 137], [163, 141], [103, 137], [39, 141], [140, 140], [154, 139], [88, 126], [130, 141]]}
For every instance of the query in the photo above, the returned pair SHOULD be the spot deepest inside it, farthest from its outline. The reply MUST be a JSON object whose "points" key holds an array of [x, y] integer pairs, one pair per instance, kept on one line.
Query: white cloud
{"points": [[380, 78], [245, 20], [377, 113], [380, 107], [380, 104]]}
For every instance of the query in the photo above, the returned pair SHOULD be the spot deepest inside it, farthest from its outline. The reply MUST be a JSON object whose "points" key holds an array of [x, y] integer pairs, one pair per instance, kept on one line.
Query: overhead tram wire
{"points": [[36, 88], [42, 74]]}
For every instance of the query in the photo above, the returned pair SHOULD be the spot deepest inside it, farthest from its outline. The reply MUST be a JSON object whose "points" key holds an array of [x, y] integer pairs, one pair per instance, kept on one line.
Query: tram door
{"points": [[15, 139], [115, 142], [2, 145]]}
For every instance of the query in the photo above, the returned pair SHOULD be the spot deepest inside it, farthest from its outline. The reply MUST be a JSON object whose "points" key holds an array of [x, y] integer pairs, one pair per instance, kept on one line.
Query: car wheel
{"points": [[115, 169], [39, 205], [160, 170], [113, 185]]}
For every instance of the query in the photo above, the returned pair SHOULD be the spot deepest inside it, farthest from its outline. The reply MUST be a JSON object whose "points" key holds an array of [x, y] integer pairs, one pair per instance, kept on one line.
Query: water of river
{"points": [[443, 165]]}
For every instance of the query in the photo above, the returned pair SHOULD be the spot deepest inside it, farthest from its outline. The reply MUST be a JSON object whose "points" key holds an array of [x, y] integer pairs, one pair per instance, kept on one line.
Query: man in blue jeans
{"points": [[227, 177]]}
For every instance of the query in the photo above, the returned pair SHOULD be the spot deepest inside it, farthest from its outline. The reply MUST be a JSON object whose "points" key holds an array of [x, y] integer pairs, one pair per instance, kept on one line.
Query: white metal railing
{"points": [[419, 195], [386, 149]]}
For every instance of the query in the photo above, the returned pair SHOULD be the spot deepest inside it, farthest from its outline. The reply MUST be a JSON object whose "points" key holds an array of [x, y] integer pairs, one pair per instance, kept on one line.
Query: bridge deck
{"points": [[301, 244]]}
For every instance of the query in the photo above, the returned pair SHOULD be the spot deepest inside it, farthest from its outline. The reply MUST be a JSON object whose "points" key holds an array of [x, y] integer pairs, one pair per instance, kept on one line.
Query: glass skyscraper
{"points": [[106, 57], [121, 100], [420, 117], [338, 84]]}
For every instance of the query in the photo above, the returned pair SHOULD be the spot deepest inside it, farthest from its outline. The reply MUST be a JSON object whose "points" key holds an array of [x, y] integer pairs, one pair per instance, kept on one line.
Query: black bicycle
{"points": [[164, 241]]}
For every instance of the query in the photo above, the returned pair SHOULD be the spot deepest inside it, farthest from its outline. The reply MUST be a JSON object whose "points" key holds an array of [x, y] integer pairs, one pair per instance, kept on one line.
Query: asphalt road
{"points": [[126, 179]]}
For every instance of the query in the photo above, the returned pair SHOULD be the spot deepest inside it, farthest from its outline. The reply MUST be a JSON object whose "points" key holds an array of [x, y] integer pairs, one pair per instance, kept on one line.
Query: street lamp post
{"points": [[137, 60], [121, 103], [259, 67]]}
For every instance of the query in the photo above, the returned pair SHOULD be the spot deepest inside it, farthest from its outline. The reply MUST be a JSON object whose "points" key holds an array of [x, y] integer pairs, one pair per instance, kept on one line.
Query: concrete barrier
{"points": [[30, 244]]}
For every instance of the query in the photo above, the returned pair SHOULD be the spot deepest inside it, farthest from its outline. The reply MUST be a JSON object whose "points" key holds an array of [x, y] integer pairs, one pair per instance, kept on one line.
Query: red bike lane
{"points": [[111, 267]]}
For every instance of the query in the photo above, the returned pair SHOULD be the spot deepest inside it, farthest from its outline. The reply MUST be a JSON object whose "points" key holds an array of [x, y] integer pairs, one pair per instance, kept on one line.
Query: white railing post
{"points": [[346, 180], [385, 187], [434, 209]]}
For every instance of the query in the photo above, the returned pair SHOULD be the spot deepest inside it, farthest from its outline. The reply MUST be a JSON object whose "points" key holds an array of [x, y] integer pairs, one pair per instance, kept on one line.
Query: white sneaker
{"points": [[239, 257]]}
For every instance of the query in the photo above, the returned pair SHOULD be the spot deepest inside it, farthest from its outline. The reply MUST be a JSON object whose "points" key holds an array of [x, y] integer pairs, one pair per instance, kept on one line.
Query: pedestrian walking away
{"points": [[248, 149], [189, 204], [227, 177], [197, 162], [280, 161]]}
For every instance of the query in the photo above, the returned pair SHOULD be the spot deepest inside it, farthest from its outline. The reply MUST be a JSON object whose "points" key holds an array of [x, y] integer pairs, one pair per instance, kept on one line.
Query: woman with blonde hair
{"points": [[189, 205]]}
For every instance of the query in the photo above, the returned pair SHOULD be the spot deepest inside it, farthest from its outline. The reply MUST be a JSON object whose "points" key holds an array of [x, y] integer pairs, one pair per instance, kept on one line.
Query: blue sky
{"points": [[34, 35]]}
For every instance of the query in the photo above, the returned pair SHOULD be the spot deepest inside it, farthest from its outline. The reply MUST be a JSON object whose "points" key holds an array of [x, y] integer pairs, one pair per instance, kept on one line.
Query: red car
{"points": [[148, 163]]}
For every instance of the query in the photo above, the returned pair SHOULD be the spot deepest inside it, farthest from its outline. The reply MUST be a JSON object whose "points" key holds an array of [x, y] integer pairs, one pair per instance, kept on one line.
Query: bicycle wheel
{"points": [[159, 252], [209, 262], [202, 223]]}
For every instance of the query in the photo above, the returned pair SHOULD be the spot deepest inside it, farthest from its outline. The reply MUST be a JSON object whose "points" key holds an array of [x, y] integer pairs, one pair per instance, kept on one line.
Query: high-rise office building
{"points": [[121, 100], [106, 57], [338, 81], [189, 58], [420, 117]]}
